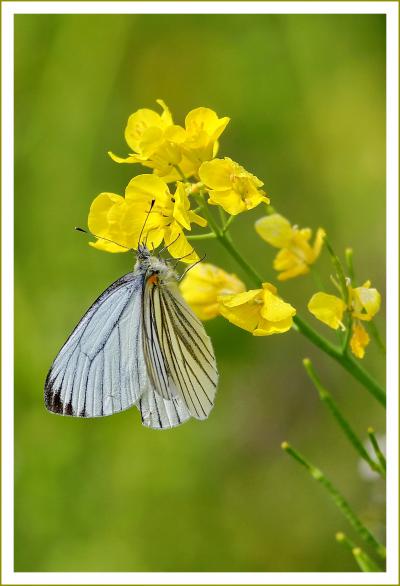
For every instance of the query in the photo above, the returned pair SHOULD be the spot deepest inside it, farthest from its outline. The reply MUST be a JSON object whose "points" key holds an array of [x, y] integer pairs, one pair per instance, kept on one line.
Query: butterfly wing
{"points": [[100, 369], [159, 412], [179, 355], [138, 344]]}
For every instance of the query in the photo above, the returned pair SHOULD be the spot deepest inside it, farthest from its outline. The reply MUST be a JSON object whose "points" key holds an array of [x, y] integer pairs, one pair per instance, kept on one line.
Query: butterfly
{"points": [[138, 344]]}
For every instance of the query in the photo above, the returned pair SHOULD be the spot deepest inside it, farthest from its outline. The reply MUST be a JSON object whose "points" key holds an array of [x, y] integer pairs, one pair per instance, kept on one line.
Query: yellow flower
{"points": [[365, 301], [121, 219], [259, 311], [203, 128], [359, 340], [231, 186], [296, 254], [202, 286], [156, 143], [328, 308]]}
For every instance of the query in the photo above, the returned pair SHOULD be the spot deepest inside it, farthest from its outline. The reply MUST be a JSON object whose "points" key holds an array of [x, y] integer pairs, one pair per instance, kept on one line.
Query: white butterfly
{"points": [[138, 344]]}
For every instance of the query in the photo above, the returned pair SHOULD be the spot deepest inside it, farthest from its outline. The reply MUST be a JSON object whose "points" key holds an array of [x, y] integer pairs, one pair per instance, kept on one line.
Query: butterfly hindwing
{"points": [[178, 353]]}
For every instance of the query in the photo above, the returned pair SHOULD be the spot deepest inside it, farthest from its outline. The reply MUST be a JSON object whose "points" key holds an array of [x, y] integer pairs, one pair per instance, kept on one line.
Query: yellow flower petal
{"points": [[196, 219], [151, 138], [327, 308], [289, 265], [267, 328], [202, 286], [359, 340], [296, 254], [275, 309], [245, 315], [178, 245], [231, 186], [242, 298], [105, 216], [216, 174], [229, 200], [318, 242], [175, 133], [274, 229], [128, 159], [141, 120], [145, 188], [259, 311], [181, 206], [366, 302], [107, 246], [205, 120], [166, 116]]}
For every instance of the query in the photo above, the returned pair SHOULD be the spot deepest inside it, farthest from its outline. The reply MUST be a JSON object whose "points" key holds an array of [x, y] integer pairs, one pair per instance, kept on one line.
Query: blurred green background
{"points": [[306, 95]]}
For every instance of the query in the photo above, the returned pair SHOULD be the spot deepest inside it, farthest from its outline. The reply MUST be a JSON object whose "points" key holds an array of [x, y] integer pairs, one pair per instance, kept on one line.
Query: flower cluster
{"points": [[363, 304], [185, 183], [211, 291], [161, 145], [121, 219], [260, 311], [151, 210], [296, 255]]}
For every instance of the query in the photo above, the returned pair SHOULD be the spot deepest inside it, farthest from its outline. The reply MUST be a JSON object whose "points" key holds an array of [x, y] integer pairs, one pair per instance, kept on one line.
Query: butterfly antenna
{"points": [[153, 201], [182, 257], [192, 266], [170, 244], [78, 229]]}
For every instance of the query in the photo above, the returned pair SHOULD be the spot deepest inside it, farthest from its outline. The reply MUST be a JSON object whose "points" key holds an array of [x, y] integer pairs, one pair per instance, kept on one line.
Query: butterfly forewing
{"points": [[97, 371]]}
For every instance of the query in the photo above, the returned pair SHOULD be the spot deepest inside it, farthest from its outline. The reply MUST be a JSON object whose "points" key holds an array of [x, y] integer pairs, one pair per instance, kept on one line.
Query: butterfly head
{"points": [[155, 269]]}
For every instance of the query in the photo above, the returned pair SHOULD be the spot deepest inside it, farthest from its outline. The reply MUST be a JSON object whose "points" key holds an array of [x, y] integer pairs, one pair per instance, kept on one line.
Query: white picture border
{"points": [[9, 9]]}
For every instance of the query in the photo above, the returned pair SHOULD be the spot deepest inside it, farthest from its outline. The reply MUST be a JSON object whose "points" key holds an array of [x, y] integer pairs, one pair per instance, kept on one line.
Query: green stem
{"points": [[365, 563], [377, 450], [347, 337], [226, 242], [339, 270], [208, 236], [318, 340], [251, 272], [210, 218], [349, 262], [222, 215], [327, 398], [371, 326], [358, 372], [337, 498], [347, 361], [227, 224]]}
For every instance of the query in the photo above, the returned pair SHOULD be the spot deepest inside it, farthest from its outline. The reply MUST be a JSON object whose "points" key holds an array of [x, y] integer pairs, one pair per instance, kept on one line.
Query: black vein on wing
{"points": [[189, 347], [178, 306], [195, 342], [184, 363], [179, 375], [162, 347]]}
